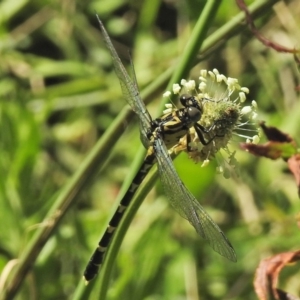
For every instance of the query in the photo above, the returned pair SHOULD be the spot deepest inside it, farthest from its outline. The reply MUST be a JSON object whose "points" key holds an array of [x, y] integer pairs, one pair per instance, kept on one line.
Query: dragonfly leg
{"points": [[188, 142], [200, 129]]}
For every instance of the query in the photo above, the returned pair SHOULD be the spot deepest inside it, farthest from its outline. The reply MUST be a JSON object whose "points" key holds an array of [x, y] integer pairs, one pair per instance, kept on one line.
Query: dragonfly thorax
{"points": [[173, 126]]}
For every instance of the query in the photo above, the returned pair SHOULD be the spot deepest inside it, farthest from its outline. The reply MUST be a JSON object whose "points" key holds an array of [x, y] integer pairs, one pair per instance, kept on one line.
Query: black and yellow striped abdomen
{"points": [[170, 128]]}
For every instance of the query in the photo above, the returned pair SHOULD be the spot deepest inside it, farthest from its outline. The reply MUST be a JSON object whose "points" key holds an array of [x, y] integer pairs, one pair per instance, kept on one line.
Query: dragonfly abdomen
{"points": [[96, 260]]}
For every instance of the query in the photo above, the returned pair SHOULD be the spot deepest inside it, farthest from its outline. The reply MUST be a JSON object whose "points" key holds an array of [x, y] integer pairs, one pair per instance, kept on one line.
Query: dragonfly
{"points": [[158, 136]]}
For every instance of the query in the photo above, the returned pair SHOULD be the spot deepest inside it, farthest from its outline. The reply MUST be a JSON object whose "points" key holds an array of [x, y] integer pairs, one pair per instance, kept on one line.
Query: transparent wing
{"points": [[188, 206], [129, 87]]}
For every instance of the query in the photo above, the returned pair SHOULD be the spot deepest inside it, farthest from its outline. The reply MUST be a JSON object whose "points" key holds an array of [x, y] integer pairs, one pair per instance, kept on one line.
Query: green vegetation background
{"points": [[59, 97]]}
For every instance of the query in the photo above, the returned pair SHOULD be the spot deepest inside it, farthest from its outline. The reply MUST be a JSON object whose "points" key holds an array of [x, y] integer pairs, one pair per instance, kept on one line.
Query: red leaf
{"points": [[280, 144], [266, 276], [274, 134], [272, 150]]}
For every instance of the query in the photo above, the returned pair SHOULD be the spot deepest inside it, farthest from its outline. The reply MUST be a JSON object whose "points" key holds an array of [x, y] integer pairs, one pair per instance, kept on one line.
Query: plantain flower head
{"points": [[224, 117]]}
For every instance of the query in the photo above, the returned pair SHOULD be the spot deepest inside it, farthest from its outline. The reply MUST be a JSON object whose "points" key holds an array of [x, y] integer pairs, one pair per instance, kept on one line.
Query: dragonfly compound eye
{"points": [[190, 101], [186, 100], [193, 114]]}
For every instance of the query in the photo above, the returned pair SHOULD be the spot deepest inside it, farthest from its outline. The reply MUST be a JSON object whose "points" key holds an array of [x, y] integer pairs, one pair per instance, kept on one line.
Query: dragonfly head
{"points": [[193, 109]]}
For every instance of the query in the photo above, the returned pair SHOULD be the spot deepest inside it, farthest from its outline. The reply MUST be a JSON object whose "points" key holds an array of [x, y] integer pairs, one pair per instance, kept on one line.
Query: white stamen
{"points": [[202, 86], [183, 82], [242, 97], [245, 90], [176, 88], [190, 85], [219, 77], [254, 104], [167, 94], [255, 139], [254, 116], [246, 110], [211, 74], [203, 73]]}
